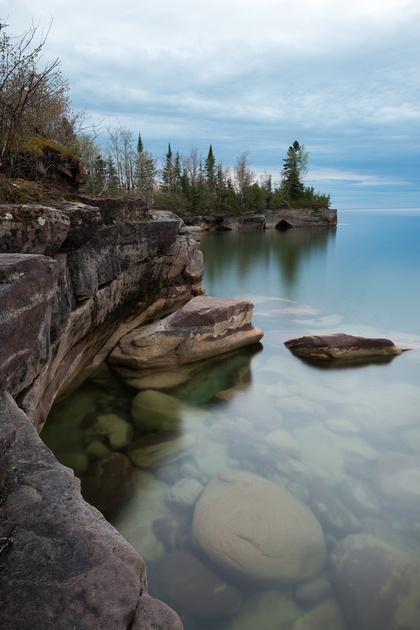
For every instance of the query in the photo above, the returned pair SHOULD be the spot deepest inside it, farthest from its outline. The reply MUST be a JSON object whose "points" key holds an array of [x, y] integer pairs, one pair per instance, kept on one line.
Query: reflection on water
{"points": [[243, 255], [263, 492]]}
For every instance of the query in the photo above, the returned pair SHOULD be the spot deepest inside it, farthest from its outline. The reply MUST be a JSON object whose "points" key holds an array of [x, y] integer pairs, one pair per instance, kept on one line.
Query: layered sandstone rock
{"points": [[342, 346], [73, 280], [256, 528], [62, 314], [203, 328]]}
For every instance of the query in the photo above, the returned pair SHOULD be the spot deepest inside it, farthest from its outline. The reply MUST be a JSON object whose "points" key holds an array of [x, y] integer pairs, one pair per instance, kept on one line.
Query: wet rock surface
{"points": [[342, 347], [203, 328]]}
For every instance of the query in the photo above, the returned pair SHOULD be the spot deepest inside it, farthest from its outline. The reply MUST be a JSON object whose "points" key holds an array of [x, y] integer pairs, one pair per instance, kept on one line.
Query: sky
{"points": [[341, 77]]}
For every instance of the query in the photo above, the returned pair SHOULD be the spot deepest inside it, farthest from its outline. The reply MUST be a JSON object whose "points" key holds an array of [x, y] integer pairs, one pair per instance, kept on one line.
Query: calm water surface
{"points": [[344, 442]]}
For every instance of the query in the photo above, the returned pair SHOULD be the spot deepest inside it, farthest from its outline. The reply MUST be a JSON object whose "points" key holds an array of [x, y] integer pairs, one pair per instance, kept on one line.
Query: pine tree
{"points": [[295, 164], [140, 147], [210, 171], [168, 171], [113, 182]]}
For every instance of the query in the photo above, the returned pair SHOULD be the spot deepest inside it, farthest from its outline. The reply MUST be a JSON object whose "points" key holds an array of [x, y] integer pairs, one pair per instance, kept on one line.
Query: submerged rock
{"points": [[342, 346], [117, 432], [203, 328], [397, 479], [378, 586], [108, 483], [326, 616], [184, 494], [257, 529], [192, 588], [160, 448]]}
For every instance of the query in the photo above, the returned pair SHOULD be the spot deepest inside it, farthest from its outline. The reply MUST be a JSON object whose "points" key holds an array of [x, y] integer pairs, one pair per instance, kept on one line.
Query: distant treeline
{"points": [[192, 184], [42, 139]]}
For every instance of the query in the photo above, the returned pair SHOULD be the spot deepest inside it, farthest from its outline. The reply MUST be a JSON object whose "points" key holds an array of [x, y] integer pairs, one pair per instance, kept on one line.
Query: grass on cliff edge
{"points": [[24, 191]]}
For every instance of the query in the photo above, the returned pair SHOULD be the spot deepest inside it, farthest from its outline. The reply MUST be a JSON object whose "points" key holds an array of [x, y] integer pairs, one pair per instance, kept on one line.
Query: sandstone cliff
{"points": [[74, 279]]}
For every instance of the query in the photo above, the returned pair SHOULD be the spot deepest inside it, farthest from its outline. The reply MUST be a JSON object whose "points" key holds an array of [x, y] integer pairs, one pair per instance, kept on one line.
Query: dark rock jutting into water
{"points": [[342, 347]]}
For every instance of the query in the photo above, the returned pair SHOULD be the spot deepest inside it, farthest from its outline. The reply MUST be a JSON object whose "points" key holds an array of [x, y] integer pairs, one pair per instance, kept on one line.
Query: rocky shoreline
{"points": [[76, 277], [280, 219]]}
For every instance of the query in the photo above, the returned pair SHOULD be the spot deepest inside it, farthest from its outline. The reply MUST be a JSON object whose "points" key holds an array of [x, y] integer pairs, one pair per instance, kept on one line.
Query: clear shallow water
{"points": [[346, 438]]}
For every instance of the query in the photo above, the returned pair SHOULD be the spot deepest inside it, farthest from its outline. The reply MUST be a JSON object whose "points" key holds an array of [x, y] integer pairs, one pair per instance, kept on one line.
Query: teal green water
{"points": [[354, 432]]}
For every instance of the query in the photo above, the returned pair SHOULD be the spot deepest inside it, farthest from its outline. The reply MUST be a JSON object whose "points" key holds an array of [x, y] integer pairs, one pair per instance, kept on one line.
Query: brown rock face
{"points": [[342, 346], [27, 288], [378, 586], [60, 560], [32, 229], [203, 328]]}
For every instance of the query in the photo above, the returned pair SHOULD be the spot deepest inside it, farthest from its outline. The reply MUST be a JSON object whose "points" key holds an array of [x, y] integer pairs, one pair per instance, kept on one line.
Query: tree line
{"points": [[37, 120], [194, 184]]}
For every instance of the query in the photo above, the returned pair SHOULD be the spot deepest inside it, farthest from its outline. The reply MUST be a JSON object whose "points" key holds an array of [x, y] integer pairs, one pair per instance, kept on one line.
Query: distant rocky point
{"points": [[280, 220]]}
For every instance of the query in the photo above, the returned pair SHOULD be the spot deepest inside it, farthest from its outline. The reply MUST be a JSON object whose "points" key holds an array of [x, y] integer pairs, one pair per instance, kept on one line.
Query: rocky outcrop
{"points": [[203, 328], [60, 313], [281, 220], [257, 529], [73, 280], [342, 347]]}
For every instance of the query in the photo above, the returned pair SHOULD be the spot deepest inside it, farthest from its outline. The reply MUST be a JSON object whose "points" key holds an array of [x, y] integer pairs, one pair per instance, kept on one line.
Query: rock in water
{"points": [[378, 586], [256, 528], [203, 328], [193, 589], [343, 347]]}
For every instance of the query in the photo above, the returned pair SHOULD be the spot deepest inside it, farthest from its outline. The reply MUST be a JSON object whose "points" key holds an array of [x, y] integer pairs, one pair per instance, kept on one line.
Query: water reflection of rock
{"points": [[243, 252]]}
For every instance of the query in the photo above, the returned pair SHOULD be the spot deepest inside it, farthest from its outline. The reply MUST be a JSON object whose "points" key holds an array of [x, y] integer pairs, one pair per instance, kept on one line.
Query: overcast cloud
{"points": [[341, 77]]}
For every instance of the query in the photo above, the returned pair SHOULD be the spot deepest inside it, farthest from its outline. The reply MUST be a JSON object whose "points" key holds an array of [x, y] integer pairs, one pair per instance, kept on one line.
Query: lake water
{"points": [[341, 443]]}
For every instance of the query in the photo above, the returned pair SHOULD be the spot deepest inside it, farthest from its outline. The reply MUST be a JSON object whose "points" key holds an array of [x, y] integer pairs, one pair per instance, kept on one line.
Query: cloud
{"points": [[341, 77]]}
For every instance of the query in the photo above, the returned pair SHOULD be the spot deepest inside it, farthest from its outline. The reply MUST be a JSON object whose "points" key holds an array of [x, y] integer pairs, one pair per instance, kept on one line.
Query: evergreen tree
{"points": [[168, 171], [113, 182], [140, 147], [99, 179], [295, 165], [145, 176], [210, 171], [177, 173]]}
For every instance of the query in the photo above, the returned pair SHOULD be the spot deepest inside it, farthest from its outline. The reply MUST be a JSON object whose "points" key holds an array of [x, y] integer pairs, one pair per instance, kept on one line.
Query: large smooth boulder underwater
{"points": [[256, 529], [205, 327], [342, 347]]}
